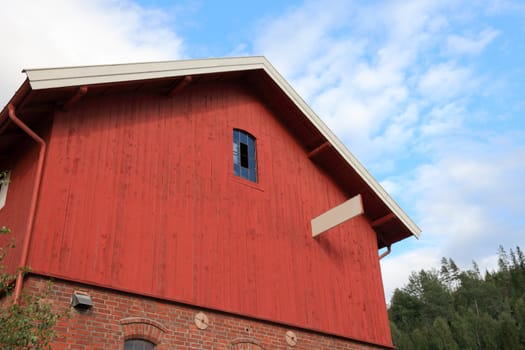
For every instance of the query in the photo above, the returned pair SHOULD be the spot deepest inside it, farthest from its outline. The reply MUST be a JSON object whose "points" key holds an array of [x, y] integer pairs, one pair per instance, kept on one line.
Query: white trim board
{"points": [[337, 215]]}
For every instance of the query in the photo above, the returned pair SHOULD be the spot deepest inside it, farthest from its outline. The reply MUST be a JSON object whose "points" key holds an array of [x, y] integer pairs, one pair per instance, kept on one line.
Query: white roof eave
{"points": [[47, 78]]}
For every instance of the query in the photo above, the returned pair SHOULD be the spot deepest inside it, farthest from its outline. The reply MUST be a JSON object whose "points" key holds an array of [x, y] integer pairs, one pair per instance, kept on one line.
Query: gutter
{"points": [[34, 198]]}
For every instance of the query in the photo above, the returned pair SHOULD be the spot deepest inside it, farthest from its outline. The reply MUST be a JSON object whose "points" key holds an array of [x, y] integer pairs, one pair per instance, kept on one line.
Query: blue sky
{"points": [[427, 94]]}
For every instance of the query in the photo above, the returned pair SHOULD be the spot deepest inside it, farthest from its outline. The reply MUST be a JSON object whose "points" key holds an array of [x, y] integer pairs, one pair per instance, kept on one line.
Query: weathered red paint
{"points": [[23, 166], [138, 194]]}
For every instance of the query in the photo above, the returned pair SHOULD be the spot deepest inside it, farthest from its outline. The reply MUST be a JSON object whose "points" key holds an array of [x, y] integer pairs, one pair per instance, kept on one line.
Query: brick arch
{"points": [[142, 328], [246, 344]]}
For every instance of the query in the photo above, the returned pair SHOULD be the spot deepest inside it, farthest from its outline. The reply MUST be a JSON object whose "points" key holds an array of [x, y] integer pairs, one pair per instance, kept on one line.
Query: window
{"points": [[244, 155], [139, 329], [4, 183], [138, 344]]}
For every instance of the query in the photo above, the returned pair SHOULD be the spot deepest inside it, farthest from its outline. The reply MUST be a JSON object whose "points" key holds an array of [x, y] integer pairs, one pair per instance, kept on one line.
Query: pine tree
{"points": [[442, 339], [509, 333], [454, 309]]}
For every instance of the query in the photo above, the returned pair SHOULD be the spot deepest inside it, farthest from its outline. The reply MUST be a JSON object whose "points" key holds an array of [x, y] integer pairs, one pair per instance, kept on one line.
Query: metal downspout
{"points": [[34, 198]]}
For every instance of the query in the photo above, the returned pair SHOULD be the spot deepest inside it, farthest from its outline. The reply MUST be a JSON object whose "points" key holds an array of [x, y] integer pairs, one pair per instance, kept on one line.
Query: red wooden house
{"points": [[195, 204]]}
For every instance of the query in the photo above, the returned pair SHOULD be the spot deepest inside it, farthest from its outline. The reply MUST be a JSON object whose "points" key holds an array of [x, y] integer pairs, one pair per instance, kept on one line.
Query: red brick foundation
{"points": [[117, 316]]}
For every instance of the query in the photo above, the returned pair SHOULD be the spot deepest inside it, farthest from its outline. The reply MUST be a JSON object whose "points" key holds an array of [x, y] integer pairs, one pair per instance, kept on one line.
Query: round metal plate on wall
{"points": [[201, 320], [291, 338]]}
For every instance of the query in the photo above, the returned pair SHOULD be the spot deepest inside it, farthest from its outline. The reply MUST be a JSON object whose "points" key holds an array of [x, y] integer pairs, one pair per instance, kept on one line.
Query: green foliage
{"points": [[29, 323], [443, 338], [454, 309]]}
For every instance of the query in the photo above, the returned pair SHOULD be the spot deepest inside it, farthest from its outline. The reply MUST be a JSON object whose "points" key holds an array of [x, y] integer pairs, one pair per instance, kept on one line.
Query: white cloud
{"points": [[378, 76], [73, 32], [392, 187], [396, 268], [466, 202], [290, 43], [361, 75], [464, 197], [443, 119], [445, 81], [458, 44]]}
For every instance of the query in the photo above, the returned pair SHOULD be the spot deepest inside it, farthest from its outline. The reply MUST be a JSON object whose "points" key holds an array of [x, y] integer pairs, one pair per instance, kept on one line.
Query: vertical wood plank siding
{"points": [[139, 194], [14, 214]]}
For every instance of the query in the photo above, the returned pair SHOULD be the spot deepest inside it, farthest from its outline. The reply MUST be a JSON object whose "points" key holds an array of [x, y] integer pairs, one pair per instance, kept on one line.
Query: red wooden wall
{"points": [[23, 164], [139, 194]]}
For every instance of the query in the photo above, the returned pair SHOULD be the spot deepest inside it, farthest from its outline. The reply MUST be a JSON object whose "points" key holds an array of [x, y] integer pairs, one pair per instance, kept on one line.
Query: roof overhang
{"points": [[388, 219]]}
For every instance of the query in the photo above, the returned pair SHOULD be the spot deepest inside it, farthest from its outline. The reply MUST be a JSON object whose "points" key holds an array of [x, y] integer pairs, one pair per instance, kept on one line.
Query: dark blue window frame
{"points": [[244, 155]]}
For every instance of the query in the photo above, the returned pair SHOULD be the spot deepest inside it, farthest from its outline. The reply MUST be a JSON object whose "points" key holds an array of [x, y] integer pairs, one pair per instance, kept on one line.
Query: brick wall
{"points": [[117, 316]]}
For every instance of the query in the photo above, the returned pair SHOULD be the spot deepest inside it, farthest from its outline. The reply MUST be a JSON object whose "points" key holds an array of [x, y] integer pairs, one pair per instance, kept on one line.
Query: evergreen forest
{"points": [[449, 308]]}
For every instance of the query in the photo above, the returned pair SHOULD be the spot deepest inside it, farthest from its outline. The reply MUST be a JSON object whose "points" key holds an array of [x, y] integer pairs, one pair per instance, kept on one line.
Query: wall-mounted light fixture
{"points": [[81, 300]]}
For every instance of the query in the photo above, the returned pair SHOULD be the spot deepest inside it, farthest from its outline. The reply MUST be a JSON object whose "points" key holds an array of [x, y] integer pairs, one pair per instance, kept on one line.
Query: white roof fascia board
{"points": [[46, 78]]}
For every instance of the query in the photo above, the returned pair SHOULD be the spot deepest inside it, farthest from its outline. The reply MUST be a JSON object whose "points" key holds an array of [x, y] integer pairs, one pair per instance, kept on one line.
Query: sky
{"points": [[427, 94]]}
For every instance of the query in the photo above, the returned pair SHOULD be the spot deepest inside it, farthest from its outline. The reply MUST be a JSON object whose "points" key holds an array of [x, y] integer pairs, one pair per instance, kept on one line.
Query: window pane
{"points": [[244, 155], [235, 153], [251, 177], [244, 137]]}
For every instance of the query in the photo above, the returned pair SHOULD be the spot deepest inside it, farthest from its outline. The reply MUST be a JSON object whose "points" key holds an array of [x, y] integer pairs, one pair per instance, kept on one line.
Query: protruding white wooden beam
{"points": [[337, 215]]}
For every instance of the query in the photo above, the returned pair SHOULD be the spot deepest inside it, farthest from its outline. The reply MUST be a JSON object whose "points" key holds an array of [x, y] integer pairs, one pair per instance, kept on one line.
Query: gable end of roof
{"points": [[53, 78]]}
